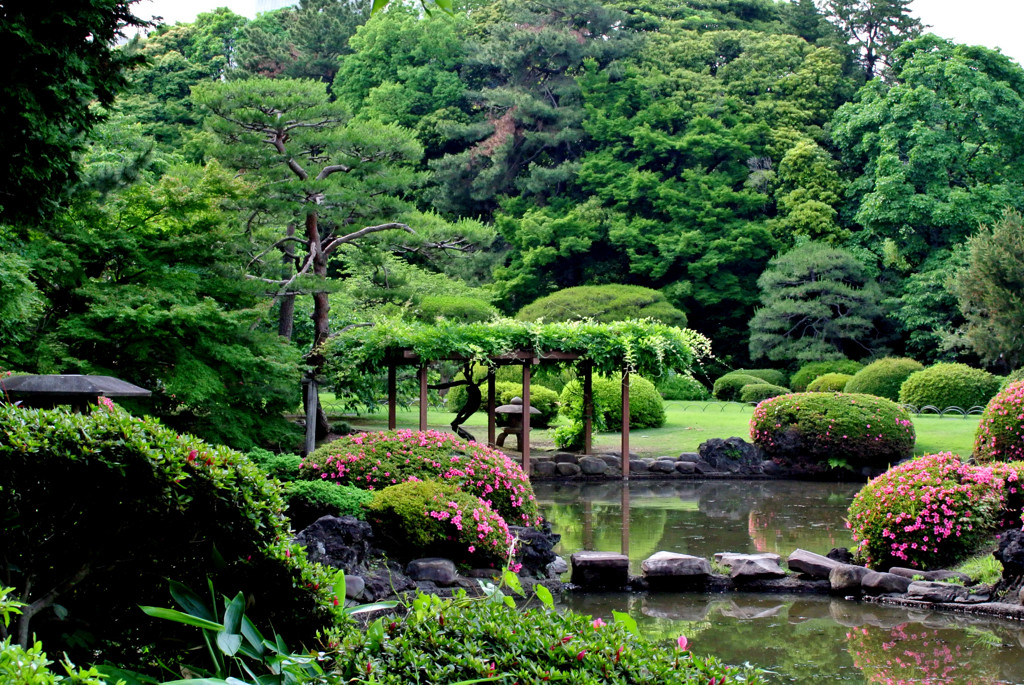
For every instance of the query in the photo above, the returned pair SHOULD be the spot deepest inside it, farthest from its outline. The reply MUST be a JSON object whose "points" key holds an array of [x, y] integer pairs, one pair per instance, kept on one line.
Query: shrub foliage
{"points": [[830, 382], [308, 500], [646, 407], [680, 386], [377, 460], [931, 512], [949, 385], [838, 428], [758, 392], [604, 303], [1000, 435], [883, 377], [808, 372], [728, 387]]}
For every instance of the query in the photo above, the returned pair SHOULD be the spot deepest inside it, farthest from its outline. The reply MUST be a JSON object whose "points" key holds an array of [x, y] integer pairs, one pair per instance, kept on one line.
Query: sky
{"points": [[992, 23]]}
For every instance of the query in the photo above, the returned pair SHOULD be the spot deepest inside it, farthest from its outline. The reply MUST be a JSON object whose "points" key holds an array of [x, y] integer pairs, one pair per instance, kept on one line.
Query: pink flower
{"points": [[682, 642], [598, 623], [579, 657]]}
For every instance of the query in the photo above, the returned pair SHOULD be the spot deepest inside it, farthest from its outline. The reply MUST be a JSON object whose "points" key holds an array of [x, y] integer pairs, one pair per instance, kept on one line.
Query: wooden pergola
{"points": [[527, 360]]}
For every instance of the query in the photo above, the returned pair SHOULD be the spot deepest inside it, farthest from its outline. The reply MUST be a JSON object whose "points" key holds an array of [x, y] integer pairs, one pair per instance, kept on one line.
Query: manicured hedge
{"points": [[771, 376], [758, 392], [678, 386], [819, 429], [1000, 435], [884, 377], [830, 382], [728, 387], [308, 500], [453, 308], [933, 511], [949, 385], [646, 407], [808, 372]]}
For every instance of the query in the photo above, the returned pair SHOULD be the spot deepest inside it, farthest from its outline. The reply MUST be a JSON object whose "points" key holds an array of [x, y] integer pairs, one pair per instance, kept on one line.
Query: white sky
{"points": [[992, 23]]}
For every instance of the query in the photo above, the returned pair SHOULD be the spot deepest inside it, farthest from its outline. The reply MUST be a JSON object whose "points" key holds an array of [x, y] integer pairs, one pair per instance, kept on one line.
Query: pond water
{"points": [[798, 639]]}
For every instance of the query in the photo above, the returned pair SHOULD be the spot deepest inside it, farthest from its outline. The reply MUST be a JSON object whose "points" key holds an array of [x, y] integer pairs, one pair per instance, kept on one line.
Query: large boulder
{"points": [[536, 548], [754, 568], [433, 569], [877, 583], [811, 564], [847, 579], [731, 454], [1011, 553], [338, 541]]}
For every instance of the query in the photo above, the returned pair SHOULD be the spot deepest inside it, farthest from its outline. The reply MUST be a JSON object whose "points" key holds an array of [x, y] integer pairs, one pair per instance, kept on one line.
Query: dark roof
{"points": [[66, 385]]}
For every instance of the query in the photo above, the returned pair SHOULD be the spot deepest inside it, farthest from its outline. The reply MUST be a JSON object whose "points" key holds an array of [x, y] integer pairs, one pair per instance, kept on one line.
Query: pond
{"points": [[798, 639]]}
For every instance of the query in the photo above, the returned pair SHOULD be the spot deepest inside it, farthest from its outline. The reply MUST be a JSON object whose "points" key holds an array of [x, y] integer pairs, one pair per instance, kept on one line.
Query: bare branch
{"points": [[276, 245], [331, 244], [333, 169]]}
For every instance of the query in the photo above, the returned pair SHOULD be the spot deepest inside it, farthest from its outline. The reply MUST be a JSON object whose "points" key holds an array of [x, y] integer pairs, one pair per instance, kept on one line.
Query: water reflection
{"points": [[802, 639], [699, 518]]}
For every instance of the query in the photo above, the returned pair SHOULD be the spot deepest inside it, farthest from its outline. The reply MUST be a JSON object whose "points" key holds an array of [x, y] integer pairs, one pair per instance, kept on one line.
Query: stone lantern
{"points": [[514, 412]]}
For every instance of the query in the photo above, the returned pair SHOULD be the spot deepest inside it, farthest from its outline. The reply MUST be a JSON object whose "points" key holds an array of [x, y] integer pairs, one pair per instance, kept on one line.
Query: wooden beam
{"points": [[312, 398], [625, 519], [526, 419], [491, 405], [423, 397], [625, 425], [392, 397], [588, 406]]}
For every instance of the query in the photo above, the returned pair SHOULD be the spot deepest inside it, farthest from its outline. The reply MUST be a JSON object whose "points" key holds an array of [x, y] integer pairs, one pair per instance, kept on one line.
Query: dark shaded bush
{"points": [[757, 392], [308, 500], [677, 386], [105, 507], [284, 467], [949, 385], [454, 308], [884, 377], [772, 376], [833, 429], [727, 388], [431, 518], [830, 382], [932, 512], [541, 398], [372, 461], [603, 303], [1000, 435], [445, 641], [808, 372], [646, 407]]}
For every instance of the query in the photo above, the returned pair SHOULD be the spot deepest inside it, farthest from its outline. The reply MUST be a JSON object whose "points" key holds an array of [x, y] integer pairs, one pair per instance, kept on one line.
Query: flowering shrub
{"points": [[884, 377], [808, 372], [830, 382], [912, 655], [844, 429], [372, 461], [448, 641], [441, 520], [949, 385], [931, 511], [1000, 435]]}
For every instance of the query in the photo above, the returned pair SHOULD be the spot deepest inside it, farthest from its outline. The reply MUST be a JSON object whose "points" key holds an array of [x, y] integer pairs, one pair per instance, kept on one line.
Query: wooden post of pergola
{"points": [[625, 424], [423, 396], [491, 404], [588, 406], [527, 366], [392, 396], [625, 519]]}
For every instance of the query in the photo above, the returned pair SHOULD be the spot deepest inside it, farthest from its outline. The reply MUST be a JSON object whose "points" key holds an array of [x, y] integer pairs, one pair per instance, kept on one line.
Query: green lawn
{"points": [[687, 424]]}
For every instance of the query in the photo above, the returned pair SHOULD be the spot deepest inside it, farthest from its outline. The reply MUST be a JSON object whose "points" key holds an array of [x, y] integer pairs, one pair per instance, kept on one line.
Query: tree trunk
{"points": [[321, 308]]}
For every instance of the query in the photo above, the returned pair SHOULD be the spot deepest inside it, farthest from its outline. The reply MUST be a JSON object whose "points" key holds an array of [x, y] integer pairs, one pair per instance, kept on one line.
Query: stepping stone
{"points": [[600, 570], [811, 564], [727, 559], [756, 569], [877, 583], [847, 579], [672, 565], [936, 576], [939, 593]]}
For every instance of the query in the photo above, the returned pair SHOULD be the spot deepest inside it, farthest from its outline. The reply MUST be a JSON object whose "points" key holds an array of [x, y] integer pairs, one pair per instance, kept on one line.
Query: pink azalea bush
{"points": [[373, 461], [933, 511], [440, 519], [817, 428], [1000, 435]]}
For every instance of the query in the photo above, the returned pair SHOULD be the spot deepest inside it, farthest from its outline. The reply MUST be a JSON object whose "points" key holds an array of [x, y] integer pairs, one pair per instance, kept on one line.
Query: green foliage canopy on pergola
{"points": [[639, 345]]}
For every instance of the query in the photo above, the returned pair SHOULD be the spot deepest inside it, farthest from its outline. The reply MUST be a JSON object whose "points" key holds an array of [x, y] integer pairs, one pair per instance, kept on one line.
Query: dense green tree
{"points": [[603, 303], [937, 150], [876, 28], [819, 303], [20, 304], [990, 289], [59, 60], [809, 189]]}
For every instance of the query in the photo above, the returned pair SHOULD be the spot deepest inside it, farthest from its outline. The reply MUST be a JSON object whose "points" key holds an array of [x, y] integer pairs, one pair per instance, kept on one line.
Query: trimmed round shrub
{"points": [[432, 518], [949, 385], [930, 512], [772, 376], [817, 430], [1000, 435], [604, 303], [884, 377], [727, 388], [453, 308], [830, 382], [373, 461], [447, 641], [646, 406], [541, 398], [125, 503], [308, 500], [758, 392], [678, 386], [800, 380]]}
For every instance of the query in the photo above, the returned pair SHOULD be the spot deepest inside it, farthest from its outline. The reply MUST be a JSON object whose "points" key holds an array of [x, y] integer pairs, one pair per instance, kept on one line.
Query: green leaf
{"points": [[511, 603], [179, 617], [378, 5], [190, 601], [512, 580], [627, 621], [229, 643], [233, 615], [364, 608], [252, 636], [544, 595]]}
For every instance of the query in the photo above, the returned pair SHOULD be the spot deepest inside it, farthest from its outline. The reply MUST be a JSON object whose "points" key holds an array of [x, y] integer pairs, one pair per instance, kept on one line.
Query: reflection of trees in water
{"points": [[600, 528]]}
